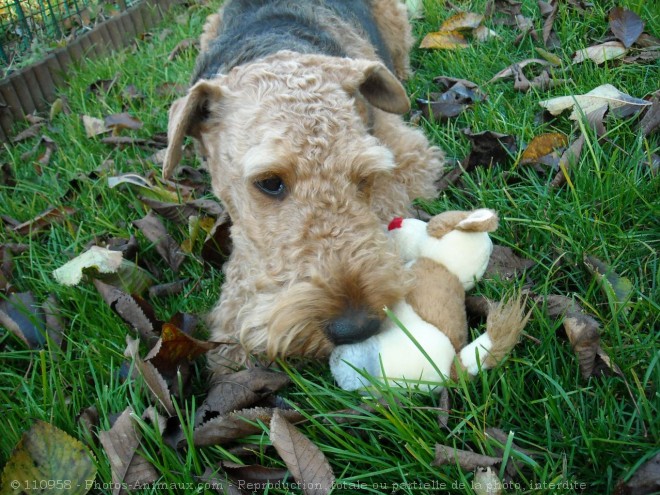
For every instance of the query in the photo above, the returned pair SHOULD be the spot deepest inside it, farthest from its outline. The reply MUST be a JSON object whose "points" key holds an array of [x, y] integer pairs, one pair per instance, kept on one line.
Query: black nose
{"points": [[354, 325]]}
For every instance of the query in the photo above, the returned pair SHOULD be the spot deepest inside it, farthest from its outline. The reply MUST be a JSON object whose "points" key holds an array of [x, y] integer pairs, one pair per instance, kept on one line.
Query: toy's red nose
{"points": [[395, 223]]}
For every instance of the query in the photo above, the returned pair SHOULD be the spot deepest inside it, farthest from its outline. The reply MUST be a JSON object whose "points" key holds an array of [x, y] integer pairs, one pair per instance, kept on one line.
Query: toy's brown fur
{"points": [[328, 127]]}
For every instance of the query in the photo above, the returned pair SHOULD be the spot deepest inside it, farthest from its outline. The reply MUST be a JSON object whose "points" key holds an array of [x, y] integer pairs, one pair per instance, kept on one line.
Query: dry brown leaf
{"points": [[22, 316], [182, 46], [174, 348], [601, 53], [44, 220], [549, 37], [120, 444], [119, 121], [258, 477], [32, 131], [505, 264], [626, 25], [240, 390], [152, 378], [510, 70], [462, 21], [468, 461], [236, 425], [218, 244], [568, 160], [651, 119], [154, 230], [307, 463], [645, 480], [444, 40], [488, 148]]}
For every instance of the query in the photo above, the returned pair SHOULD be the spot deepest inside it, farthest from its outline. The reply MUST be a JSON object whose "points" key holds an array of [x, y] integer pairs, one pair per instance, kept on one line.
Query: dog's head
{"points": [[290, 154]]}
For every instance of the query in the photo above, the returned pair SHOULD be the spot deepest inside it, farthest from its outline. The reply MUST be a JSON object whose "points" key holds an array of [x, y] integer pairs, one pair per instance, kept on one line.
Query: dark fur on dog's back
{"points": [[252, 29]]}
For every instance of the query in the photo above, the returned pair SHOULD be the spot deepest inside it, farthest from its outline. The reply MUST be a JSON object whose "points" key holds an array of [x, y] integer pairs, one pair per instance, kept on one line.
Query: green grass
{"points": [[593, 431]]}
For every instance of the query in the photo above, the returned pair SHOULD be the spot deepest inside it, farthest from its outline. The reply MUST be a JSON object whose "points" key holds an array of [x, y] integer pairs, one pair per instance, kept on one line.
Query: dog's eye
{"points": [[272, 186]]}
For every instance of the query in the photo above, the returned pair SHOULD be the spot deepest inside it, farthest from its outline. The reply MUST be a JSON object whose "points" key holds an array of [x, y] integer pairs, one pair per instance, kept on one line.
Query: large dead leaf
{"points": [[468, 461], [542, 146], [120, 444], [510, 70], [107, 265], [50, 458], [255, 476], [462, 21], [617, 288], [44, 220], [20, 314], [304, 459], [238, 391], [645, 480], [175, 347], [154, 230], [489, 148], [505, 264], [152, 378], [130, 311], [601, 53], [626, 25], [583, 332], [444, 40], [237, 425], [605, 96], [181, 212], [119, 121]]}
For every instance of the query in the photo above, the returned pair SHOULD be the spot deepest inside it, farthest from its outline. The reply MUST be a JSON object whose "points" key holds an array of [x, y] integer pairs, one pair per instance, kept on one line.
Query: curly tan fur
{"points": [[322, 124]]}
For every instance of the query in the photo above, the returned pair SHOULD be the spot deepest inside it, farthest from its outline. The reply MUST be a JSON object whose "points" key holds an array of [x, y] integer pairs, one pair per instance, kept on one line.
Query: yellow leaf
{"points": [[543, 145], [444, 40], [601, 53], [463, 21], [48, 460]]}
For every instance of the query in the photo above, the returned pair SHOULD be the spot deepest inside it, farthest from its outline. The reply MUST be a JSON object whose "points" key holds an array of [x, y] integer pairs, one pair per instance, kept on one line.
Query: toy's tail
{"points": [[503, 326]]}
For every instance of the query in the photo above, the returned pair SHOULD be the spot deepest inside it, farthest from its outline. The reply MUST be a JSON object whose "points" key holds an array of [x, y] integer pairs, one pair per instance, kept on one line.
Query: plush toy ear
{"points": [[186, 118], [378, 85], [482, 220]]}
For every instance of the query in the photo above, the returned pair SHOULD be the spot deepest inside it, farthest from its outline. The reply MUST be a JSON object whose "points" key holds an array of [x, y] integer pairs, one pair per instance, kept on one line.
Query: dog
{"points": [[297, 107]]}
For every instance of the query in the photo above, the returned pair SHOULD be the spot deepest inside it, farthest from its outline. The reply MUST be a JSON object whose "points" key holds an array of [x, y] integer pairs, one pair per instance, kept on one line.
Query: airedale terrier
{"points": [[296, 106]]}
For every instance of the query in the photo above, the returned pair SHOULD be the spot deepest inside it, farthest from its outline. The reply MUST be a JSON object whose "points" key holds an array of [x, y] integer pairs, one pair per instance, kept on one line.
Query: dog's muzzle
{"points": [[354, 325]]}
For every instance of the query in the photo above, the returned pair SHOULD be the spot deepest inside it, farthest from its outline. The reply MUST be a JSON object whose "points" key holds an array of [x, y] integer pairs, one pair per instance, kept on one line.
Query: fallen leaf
{"points": [[550, 57], [626, 25], [118, 121], [94, 126], [305, 460], [543, 145], [175, 347], [601, 53], [510, 70], [651, 119], [154, 230], [21, 315], [617, 288], [505, 264], [120, 444], [182, 46], [462, 21], [100, 259], [466, 460], [486, 482], [143, 187], [602, 96], [181, 212], [44, 220], [237, 425], [568, 160], [644, 481], [549, 37], [239, 390], [488, 148], [482, 33], [48, 457], [258, 477], [583, 333], [443, 40], [152, 378], [218, 244], [31, 132], [130, 311], [168, 289]]}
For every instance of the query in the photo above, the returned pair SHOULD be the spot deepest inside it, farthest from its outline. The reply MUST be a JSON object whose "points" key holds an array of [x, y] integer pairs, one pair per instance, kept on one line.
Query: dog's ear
{"points": [[379, 86], [186, 118]]}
